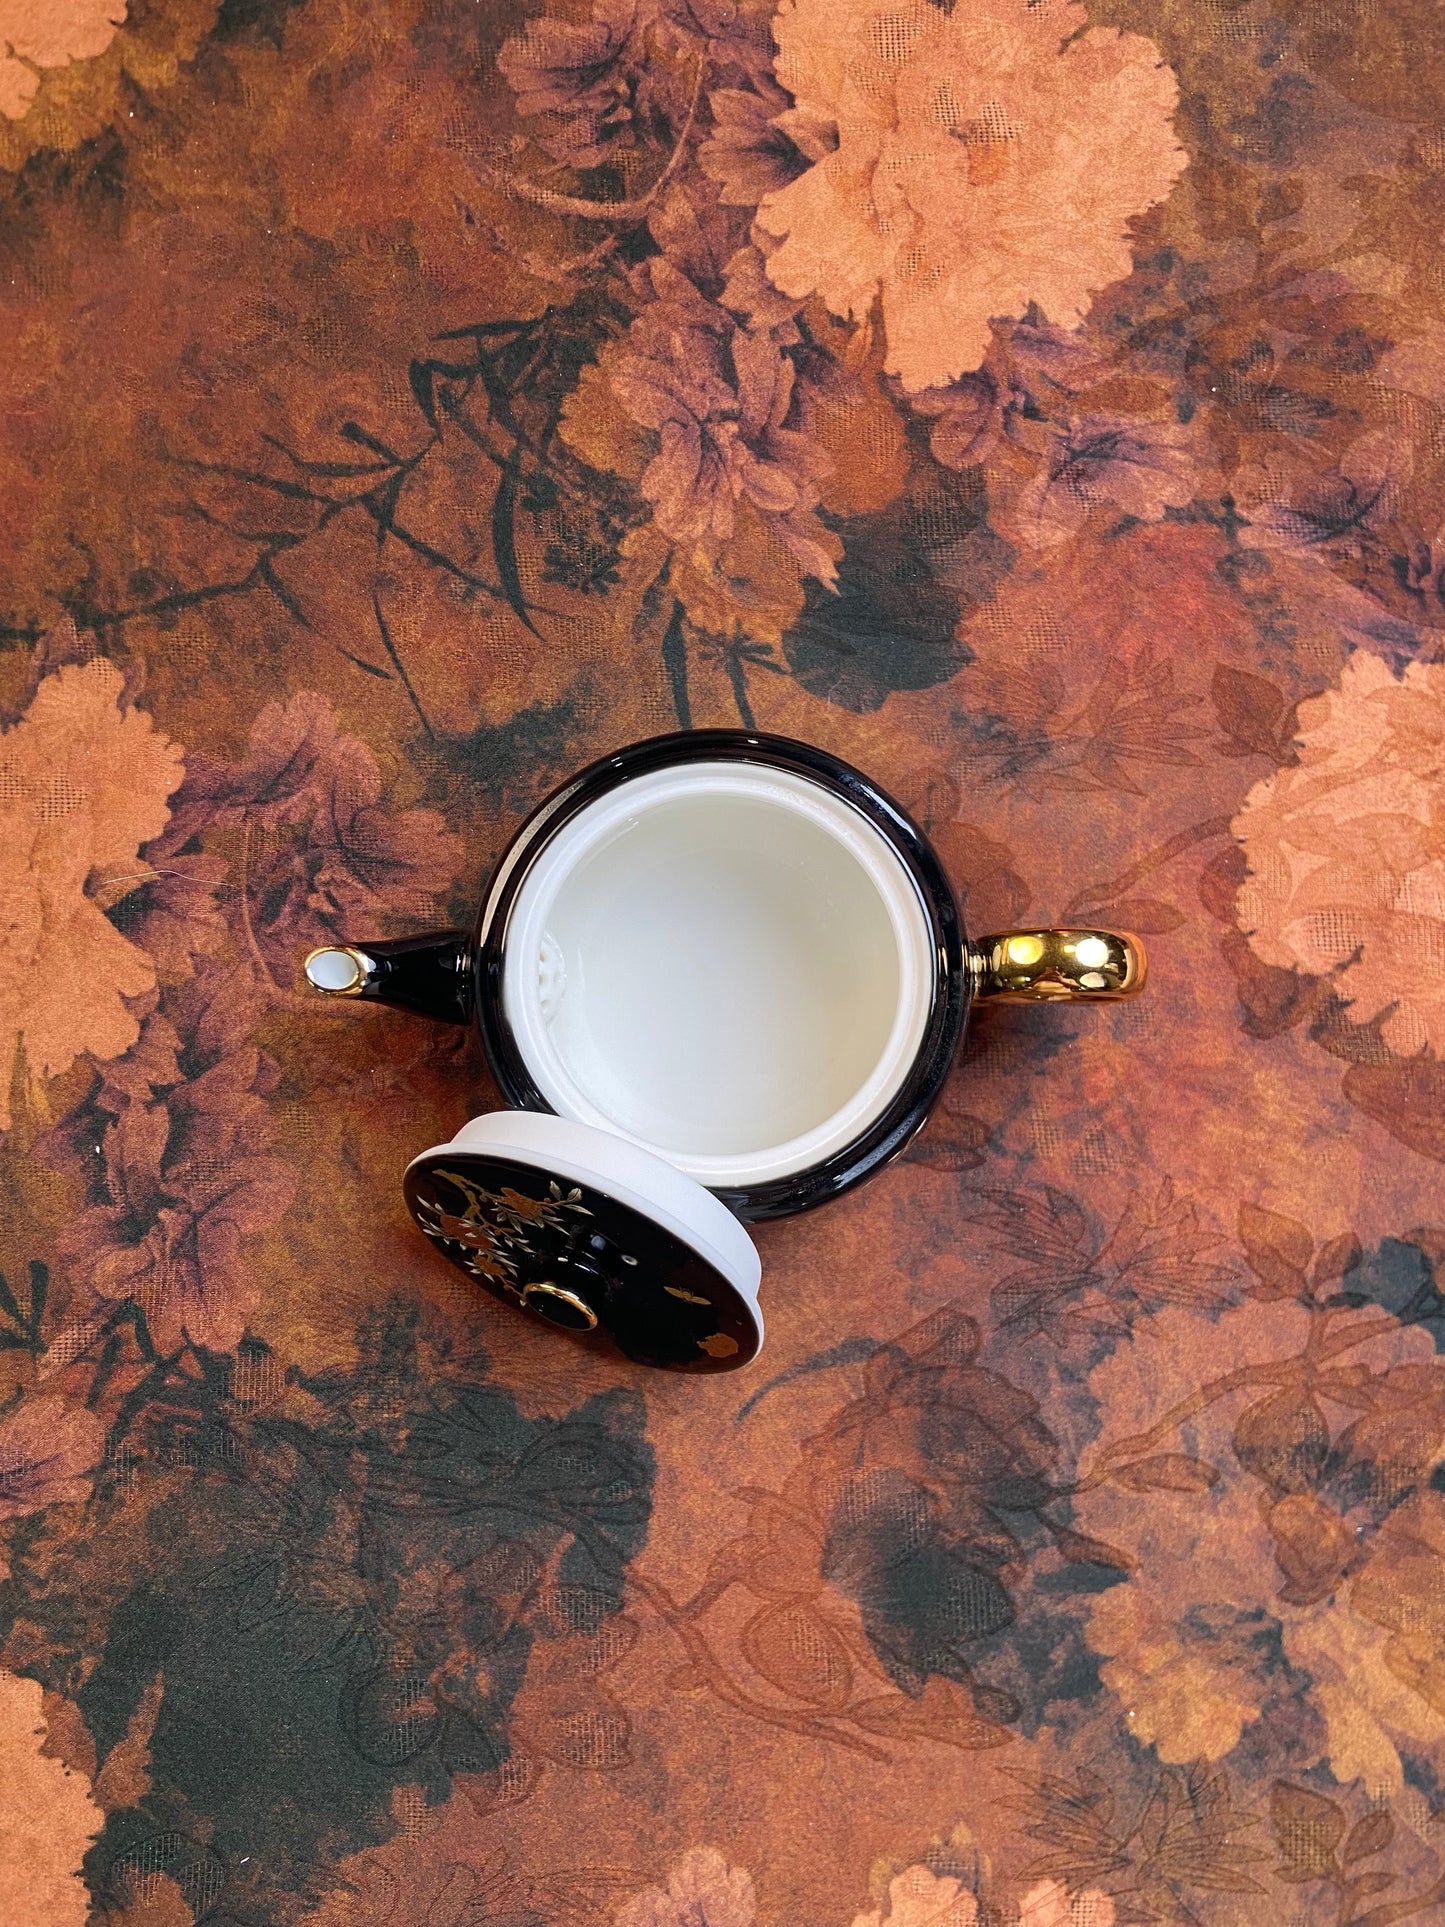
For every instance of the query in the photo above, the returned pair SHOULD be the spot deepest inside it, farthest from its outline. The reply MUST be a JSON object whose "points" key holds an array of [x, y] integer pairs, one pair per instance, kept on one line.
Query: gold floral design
{"points": [[496, 1228], [1346, 850], [988, 157]]}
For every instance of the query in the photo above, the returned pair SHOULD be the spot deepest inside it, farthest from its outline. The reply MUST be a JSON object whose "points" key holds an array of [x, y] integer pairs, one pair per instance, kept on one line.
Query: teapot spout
{"points": [[430, 975]]}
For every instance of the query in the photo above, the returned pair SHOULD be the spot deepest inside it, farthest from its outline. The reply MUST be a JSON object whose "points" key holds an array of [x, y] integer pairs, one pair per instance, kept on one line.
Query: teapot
{"points": [[720, 977]]}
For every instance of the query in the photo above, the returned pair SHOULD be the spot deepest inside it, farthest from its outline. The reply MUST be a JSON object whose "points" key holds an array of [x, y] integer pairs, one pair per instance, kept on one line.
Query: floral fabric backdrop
{"points": [[1041, 405]]}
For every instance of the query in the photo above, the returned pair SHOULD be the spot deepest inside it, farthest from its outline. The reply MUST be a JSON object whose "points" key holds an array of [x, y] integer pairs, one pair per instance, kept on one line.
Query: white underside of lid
{"points": [[583, 1154]]}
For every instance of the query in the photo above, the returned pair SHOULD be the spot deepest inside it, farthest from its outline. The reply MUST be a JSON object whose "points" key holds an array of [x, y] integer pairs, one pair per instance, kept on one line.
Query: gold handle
{"points": [[1031, 966]]}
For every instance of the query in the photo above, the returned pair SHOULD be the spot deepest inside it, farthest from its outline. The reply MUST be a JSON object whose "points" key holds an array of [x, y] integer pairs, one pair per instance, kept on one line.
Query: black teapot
{"points": [[720, 977]]}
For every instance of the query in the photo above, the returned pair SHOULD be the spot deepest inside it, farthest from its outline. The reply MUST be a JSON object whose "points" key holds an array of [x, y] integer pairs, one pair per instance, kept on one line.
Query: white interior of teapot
{"points": [[727, 964]]}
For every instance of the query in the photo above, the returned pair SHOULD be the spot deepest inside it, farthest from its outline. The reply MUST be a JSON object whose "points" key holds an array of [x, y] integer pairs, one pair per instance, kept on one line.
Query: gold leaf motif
{"points": [[499, 1223]]}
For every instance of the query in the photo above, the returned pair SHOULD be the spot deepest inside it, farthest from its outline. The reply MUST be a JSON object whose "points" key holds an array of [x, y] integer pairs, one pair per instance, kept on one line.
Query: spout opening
{"points": [[336, 970]]}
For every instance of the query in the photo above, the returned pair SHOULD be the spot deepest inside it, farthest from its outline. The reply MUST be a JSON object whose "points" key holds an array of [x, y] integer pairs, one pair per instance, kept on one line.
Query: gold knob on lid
{"points": [[1034, 966], [560, 1307]]}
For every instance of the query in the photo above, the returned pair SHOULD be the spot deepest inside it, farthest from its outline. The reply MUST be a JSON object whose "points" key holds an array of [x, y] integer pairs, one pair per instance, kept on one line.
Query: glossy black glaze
{"points": [[451, 976], [654, 1297], [953, 984], [430, 975]]}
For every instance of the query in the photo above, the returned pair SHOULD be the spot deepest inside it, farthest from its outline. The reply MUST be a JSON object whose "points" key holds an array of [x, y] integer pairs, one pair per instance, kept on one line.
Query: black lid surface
{"points": [[594, 1235]]}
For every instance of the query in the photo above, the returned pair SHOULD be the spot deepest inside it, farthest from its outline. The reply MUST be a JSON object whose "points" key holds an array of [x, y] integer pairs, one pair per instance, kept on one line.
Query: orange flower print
{"points": [[702, 1891], [85, 784], [1346, 850], [720, 396], [987, 157], [919, 1898], [49, 33], [50, 1818], [1190, 1678], [1400, 1592], [1050, 1905], [1280, 1531]]}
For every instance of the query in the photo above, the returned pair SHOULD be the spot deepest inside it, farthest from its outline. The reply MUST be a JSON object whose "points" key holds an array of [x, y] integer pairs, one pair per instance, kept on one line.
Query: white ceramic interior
{"points": [[724, 963]]}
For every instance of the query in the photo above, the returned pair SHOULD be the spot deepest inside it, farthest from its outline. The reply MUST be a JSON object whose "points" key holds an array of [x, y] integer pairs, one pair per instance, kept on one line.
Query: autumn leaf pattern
{"points": [[1071, 1273], [1186, 1834]]}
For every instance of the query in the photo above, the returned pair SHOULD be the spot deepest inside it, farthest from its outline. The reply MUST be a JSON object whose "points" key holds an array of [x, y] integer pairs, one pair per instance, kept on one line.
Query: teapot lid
{"points": [[594, 1234]]}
